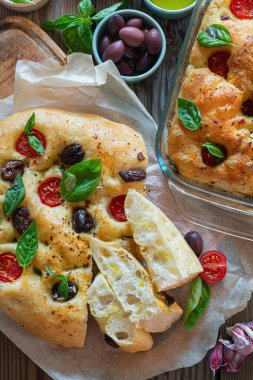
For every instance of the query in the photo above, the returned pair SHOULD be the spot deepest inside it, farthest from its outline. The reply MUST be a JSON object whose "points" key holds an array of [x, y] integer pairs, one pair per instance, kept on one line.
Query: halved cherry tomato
{"points": [[49, 192], [242, 8], [10, 270], [214, 264], [117, 208], [218, 63], [23, 147]]}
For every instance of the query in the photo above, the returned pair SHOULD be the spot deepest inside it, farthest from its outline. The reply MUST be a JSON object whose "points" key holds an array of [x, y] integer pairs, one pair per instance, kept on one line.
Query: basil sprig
{"points": [[189, 114], [14, 196], [78, 29], [81, 180], [214, 36], [33, 141], [27, 246], [198, 301], [63, 288], [214, 149]]}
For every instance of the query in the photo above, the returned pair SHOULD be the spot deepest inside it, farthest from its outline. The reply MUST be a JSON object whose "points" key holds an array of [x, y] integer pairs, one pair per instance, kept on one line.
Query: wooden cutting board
{"points": [[22, 39]]}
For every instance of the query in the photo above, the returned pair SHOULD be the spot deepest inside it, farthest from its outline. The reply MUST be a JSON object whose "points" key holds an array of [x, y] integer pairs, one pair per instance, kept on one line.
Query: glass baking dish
{"points": [[200, 205]]}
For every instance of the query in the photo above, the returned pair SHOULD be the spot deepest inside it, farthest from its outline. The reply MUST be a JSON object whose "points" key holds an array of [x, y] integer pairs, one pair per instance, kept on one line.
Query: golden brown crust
{"points": [[60, 247], [219, 101]]}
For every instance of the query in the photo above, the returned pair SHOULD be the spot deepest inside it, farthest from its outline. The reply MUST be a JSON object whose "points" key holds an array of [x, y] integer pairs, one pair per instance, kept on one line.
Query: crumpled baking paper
{"points": [[81, 87]]}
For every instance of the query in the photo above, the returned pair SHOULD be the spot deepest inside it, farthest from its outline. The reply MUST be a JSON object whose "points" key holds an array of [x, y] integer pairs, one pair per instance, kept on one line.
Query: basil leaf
{"points": [[78, 39], [36, 144], [14, 196], [81, 180], [189, 114], [62, 22], [63, 288], [30, 124], [214, 149], [198, 301], [21, 1], [107, 11], [86, 8], [214, 36], [27, 246]]}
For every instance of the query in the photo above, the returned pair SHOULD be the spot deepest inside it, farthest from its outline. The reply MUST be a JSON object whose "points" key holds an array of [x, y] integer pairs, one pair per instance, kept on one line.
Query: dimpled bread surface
{"points": [[219, 101], [28, 300]]}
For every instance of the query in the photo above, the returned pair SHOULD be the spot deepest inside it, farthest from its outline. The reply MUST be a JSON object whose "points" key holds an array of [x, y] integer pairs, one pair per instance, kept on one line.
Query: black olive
{"points": [[21, 219], [72, 154], [247, 108], [132, 175], [82, 220], [110, 341], [72, 292], [211, 160], [168, 300], [195, 241], [11, 169]]}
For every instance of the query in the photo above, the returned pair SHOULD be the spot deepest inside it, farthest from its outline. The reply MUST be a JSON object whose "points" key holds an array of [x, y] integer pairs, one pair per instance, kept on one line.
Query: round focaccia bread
{"points": [[221, 100], [61, 248]]}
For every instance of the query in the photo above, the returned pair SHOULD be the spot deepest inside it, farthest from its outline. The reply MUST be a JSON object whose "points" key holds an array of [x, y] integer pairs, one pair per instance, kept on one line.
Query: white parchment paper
{"points": [[81, 87]]}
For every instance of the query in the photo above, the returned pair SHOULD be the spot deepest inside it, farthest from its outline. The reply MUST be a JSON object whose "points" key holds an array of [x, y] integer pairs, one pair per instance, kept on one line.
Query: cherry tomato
{"points": [[218, 63], [214, 264], [49, 192], [242, 8], [10, 270], [23, 147], [117, 208]]}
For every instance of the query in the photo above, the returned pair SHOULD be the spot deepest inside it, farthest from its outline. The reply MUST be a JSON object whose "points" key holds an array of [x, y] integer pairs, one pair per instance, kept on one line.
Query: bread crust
{"points": [[219, 101], [28, 300]]}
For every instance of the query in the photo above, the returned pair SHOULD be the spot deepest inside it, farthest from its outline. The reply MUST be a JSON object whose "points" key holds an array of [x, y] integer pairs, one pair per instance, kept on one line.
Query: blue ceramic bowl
{"points": [[149, 21], [171, 14]]}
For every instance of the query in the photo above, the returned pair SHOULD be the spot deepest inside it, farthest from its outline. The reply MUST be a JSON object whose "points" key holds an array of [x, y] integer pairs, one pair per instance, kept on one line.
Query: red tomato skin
{"points": [[23, 147], [10, 270], [242, 8], [116, 208], [218, 63], [49, 192], [214, 264]]}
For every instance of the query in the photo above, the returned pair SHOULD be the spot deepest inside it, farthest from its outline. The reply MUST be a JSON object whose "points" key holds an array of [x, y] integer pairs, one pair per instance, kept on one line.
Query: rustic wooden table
{"points": [[14, 365]]}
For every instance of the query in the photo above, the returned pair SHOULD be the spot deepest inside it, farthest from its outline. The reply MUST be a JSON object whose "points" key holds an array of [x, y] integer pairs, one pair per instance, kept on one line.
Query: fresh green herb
{"points": [[63, 288], [27, 246], [21, 1], [33, 141], [81, 180], [78, 29], [214, 36], [14, 196], [214, 149], [198, 301], [189, 114]]}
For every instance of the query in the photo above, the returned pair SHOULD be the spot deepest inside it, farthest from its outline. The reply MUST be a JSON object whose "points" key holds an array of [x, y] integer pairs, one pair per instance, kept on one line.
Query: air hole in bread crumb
{"points": [[105, 300], [138, 274], [121, 335], [132, 299]]}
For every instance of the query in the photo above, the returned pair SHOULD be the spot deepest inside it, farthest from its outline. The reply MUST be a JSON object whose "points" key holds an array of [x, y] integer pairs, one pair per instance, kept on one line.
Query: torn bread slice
{"points": [[133, 288], [170, 260], [113, 320]]}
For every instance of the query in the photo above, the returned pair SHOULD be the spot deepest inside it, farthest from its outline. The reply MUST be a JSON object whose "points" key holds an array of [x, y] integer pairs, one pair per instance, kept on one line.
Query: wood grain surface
{"points": [[22, 39], [14, 365]]}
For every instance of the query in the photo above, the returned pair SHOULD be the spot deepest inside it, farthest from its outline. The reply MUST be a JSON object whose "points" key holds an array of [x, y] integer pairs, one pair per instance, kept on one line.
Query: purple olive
{"points": [[115, 24], [195, 241], [130, 53], [115, 52], [135, 22], [145, 31], [153, 42], [144, 63], [132, 36], [103, 44], [125, 68]]}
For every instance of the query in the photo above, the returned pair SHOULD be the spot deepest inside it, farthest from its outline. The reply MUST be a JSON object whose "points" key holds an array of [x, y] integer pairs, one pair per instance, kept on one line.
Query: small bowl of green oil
{"points": [[170, 8]]}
